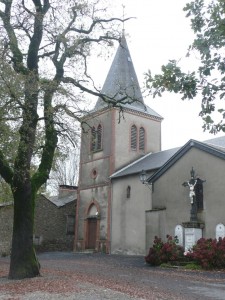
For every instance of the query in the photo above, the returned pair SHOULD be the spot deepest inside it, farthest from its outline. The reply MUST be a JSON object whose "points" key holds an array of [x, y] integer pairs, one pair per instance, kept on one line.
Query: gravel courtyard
{"points": [[98, 276]]}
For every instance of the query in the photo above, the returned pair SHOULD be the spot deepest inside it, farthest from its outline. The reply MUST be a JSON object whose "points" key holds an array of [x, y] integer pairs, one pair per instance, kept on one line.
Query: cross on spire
{"points": [[123, 6]]}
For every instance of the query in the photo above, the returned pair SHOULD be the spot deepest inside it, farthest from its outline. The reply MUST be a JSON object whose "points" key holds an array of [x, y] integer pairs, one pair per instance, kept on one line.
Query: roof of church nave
{"points": [[122, 83], [161, 160]]}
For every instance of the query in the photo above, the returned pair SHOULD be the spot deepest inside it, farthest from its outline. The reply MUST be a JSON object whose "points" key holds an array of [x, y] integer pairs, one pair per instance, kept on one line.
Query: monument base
{"points": [[192, 233]]}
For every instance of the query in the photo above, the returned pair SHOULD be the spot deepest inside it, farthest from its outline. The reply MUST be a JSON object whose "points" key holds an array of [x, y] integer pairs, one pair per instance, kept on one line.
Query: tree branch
{"points": [[32, 57], [5, 170], [110, 100], [13, 43], [99, 21]]}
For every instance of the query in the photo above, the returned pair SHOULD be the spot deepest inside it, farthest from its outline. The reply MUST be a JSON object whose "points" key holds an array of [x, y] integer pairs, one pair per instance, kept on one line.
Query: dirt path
{"points": [[98, 276]]}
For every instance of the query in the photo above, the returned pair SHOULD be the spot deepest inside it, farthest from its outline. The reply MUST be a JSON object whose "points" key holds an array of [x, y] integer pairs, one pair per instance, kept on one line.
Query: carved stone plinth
{"points": [[192, 233]]}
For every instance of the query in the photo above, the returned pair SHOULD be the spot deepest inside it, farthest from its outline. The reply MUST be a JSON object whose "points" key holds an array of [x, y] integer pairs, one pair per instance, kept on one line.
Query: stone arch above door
{"points": [[92, 209]]}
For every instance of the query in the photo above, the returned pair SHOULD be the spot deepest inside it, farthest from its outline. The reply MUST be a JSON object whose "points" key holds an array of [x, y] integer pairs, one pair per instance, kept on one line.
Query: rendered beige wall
{"points": [[128, 216], [123, 153]]}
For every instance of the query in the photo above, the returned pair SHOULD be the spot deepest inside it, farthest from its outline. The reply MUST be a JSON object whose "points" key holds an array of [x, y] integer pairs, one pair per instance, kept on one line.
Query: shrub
{"points": [[162, 252], [209, 253]]}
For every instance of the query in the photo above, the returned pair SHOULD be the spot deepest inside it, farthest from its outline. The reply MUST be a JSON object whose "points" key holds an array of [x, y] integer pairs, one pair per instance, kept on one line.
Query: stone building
{"points": [[54, 221]]}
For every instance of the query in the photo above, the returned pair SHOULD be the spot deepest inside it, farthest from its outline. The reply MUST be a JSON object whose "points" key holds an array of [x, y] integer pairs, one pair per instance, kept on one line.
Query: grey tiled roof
{"points": [[149, 162], [60, 201], [121, 82], [220, 142], [154, 161]]}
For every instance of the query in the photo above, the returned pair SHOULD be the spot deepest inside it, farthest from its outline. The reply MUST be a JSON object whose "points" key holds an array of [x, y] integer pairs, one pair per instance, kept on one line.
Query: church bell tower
{"points": [[119, 130]]}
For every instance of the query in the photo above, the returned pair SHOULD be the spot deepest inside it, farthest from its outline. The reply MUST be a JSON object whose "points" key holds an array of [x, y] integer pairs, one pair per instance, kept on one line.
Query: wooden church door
{"points": [[92, 233]]}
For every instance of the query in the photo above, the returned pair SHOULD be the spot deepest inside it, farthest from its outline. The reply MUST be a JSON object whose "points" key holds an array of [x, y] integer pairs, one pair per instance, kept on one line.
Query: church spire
{"points": [[122, 83], [121, 80]]}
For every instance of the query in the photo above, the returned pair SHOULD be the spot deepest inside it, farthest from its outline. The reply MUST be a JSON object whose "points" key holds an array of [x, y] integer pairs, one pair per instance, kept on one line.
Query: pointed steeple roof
{"points": [[122, 83]]}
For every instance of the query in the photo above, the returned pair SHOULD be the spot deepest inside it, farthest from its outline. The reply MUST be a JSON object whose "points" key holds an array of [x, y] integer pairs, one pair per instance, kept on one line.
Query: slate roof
{"points": [[149, 162], [220, 142], [64, 197], [59, 202], [122, 81], [203, 146], [159, 162]]}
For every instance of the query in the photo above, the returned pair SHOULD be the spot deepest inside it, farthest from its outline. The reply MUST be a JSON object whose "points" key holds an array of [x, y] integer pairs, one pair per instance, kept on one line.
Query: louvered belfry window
{"points": [[96, 138], [142, 139], [93, 139], [133, 137], [99, 137]]}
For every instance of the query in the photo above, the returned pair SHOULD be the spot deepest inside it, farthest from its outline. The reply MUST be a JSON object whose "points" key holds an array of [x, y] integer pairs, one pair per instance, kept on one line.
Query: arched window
{"points": [[99, 137], [133, 143], [93, 139], [141, 139], [128, 191]]}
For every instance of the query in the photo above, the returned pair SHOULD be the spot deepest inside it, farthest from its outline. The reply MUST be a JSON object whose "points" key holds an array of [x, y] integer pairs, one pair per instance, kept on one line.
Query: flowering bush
{"points": [[162, 252], [209, 253]]}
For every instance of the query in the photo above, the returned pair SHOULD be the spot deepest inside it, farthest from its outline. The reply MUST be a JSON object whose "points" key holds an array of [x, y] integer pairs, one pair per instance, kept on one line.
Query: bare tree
{"points": [[45, 47], [65, 170]]}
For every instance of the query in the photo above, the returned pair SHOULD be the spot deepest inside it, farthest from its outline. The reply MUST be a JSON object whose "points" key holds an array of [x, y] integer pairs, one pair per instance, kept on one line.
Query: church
{"points": [[116, 211]]}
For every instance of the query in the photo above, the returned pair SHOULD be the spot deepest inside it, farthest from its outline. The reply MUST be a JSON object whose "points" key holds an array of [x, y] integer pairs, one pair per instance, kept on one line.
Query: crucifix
{"points": [[192, 195]]}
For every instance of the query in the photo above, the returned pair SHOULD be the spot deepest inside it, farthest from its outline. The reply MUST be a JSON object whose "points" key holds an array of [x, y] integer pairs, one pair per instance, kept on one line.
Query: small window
{"points": [[142, 139], [70, 225], [94, 173], [133, 138], [128, 191]]}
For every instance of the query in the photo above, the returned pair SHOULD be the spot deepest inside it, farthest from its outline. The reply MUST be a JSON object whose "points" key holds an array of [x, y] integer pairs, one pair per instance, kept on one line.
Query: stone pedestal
{"points": [[192, 233]]}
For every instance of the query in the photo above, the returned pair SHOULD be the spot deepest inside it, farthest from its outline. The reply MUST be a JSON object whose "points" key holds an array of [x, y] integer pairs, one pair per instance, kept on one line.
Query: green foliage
{"points": [[208, 24], [5, 192], [173, 80], [192, 266], [164, 252]]}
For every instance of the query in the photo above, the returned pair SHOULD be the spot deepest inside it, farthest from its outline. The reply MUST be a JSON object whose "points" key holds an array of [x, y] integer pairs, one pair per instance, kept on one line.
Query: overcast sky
{"points": [[158, 33]]}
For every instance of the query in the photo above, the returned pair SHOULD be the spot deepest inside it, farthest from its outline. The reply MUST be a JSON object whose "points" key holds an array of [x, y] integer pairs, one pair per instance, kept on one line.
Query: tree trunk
{"points": [[24, 263]]}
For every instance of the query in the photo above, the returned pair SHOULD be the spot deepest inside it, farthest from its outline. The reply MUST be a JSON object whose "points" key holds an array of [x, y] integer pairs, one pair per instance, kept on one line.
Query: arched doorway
{"points": [[92, 227], [92, 233]]}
